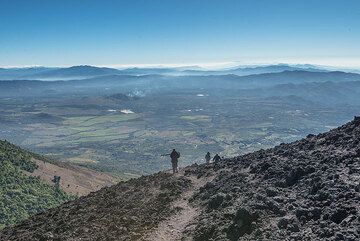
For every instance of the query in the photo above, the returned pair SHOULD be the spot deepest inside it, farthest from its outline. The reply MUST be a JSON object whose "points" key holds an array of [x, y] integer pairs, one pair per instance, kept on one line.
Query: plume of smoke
{"points": [[137, 93]]}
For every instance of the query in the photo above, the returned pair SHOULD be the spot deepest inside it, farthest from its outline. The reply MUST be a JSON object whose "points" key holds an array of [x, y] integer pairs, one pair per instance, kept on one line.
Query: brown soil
{"points": [[75, 180]]}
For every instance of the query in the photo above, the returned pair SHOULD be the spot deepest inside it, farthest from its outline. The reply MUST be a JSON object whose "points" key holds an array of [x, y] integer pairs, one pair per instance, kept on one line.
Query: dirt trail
{"points": [[172, 228]]}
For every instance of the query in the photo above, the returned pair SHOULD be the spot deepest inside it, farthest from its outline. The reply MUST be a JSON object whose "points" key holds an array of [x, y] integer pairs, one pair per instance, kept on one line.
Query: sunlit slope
{"points": [[27, 187], [22, 195]]}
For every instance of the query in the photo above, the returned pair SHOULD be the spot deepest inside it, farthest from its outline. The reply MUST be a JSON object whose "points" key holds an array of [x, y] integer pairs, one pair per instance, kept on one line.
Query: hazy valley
{"points": [[123, 123]]}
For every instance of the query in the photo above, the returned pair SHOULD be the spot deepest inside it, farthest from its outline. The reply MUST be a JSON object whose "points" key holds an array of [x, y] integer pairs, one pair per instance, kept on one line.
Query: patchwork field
{"points": [[128, 137]]}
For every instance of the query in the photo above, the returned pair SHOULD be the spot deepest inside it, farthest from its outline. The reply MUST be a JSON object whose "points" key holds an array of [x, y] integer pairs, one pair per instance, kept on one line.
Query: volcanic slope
{"points": [[305, 190]]}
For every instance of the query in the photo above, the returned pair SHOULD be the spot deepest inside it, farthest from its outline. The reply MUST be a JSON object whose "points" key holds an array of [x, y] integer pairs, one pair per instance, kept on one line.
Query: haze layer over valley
{"points": [[122, 121]]}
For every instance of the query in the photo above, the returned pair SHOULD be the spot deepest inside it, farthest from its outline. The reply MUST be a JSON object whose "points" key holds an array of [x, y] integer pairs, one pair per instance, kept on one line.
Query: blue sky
{"points": [[172, 32]]}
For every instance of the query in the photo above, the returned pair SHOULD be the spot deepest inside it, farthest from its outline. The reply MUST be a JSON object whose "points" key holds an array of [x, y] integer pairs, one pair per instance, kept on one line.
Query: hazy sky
{"points": [[185, 32]]}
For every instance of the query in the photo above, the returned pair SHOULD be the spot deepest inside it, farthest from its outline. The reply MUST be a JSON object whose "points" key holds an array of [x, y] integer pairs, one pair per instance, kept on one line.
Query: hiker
{"points": [[216, 158], [174, 155], [207, 158]]}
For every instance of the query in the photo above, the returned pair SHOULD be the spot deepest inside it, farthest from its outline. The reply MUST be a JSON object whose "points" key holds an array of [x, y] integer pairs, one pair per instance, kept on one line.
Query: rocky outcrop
{"points": [[306, 190]]}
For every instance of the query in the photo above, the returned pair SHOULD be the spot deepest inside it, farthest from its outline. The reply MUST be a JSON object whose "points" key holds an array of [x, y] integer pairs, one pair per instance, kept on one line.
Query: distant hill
{"points": [[274, 69], [242, 71], [18, 73], [298, 76], [26, 185], [326, 93], [147, 71], [305, 190], [74, 72]]}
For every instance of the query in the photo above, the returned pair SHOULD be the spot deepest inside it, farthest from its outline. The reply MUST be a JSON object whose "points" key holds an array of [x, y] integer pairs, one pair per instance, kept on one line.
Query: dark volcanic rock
{"points": [[305, 190], [242, 224]]}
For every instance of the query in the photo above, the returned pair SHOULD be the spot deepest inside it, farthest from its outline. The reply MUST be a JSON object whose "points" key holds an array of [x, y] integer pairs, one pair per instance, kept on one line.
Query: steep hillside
{"points": [[26, 185], [305, 190], [75, 180], [21, 195]]}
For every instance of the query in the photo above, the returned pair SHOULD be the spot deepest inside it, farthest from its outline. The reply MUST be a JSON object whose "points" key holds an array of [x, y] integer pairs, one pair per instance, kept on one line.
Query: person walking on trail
{"points": [[174, 155], [207, 158], [217, 158]]}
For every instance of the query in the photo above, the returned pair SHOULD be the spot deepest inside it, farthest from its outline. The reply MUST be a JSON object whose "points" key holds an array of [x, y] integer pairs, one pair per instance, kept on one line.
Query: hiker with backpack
{"points": [[207, 158], [216, 158], [174, 155]]}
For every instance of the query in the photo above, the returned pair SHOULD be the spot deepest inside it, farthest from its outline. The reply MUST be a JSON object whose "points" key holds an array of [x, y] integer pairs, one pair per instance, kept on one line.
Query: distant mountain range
{"points": [[44, 73], [241, 71], [86, 71], [322, 87], [116, 83]]}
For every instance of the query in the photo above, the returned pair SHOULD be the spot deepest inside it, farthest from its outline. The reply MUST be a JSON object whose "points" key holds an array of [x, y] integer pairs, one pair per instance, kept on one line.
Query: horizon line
{"points": [[205, 65]]}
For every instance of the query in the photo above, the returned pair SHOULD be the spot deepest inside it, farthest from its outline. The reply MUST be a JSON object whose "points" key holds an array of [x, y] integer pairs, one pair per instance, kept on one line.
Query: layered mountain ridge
{"points": [[87, 71]]}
